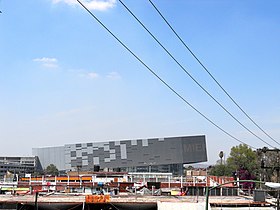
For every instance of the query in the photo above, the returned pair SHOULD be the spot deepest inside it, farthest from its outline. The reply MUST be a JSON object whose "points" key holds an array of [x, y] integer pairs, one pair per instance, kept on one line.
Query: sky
{"points": [[65, 79]]}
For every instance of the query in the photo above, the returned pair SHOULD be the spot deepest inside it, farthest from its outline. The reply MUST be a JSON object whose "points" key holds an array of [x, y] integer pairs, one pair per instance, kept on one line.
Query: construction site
{"points": [[122, 190]]}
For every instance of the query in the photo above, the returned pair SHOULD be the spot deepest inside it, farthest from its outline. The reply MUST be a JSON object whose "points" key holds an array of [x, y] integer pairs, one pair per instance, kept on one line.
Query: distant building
{"points": [[19, 165], [165, 155]]}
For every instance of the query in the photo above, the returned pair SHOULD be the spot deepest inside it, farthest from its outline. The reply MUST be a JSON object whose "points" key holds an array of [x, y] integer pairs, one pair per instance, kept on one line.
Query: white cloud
{"points": [[47, 62], [100, 5], [113, 75], [92, 75], [88, 75]]}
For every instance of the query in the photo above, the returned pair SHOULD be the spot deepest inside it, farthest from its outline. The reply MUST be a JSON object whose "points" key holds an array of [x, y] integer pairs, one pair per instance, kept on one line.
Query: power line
{"points": [[185, 70], [158, 77], [209, 73]]}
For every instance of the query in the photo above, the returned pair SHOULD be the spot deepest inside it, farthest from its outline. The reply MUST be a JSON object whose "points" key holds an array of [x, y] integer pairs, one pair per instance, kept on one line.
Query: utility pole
{"points": [[275, 166]]}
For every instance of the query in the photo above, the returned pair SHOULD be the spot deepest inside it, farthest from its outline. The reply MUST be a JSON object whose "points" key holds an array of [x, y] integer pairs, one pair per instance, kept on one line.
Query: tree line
{"points": [[248, 164]]}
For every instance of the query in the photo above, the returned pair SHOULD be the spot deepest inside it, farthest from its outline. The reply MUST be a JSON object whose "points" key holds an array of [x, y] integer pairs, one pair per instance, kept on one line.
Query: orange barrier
{"points": [[97, 198]]}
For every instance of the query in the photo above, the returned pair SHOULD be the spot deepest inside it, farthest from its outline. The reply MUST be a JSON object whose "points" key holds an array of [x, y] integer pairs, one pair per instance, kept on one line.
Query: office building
{"points": [[19, 165]]}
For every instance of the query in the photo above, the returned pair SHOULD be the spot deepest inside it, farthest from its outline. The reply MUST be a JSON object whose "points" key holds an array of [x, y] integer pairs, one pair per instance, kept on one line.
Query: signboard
{"points": [[97, 198]]}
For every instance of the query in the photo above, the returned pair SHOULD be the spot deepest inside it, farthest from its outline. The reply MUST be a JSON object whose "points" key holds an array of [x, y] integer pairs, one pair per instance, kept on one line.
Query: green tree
{"points": [[51, 170], [243, 157], [221, 155], [242, 160], [220, 170]]}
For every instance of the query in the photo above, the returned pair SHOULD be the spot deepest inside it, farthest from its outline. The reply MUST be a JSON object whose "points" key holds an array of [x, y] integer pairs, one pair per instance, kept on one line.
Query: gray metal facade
{"points": [[51, 155], [126, 153]]}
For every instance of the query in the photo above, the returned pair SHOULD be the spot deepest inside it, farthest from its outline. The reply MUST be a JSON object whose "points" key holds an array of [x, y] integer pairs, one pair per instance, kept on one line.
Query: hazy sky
{"points": [[65, 80]]}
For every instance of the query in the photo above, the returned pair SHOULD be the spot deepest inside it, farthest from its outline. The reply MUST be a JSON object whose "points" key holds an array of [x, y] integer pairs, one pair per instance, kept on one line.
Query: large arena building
{"points": [[137, 155]]}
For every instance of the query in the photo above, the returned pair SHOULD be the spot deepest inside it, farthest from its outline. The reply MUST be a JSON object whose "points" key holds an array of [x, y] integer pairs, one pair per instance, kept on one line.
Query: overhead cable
{"points": [[159, 78], [185, 70], [209, 73]]}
